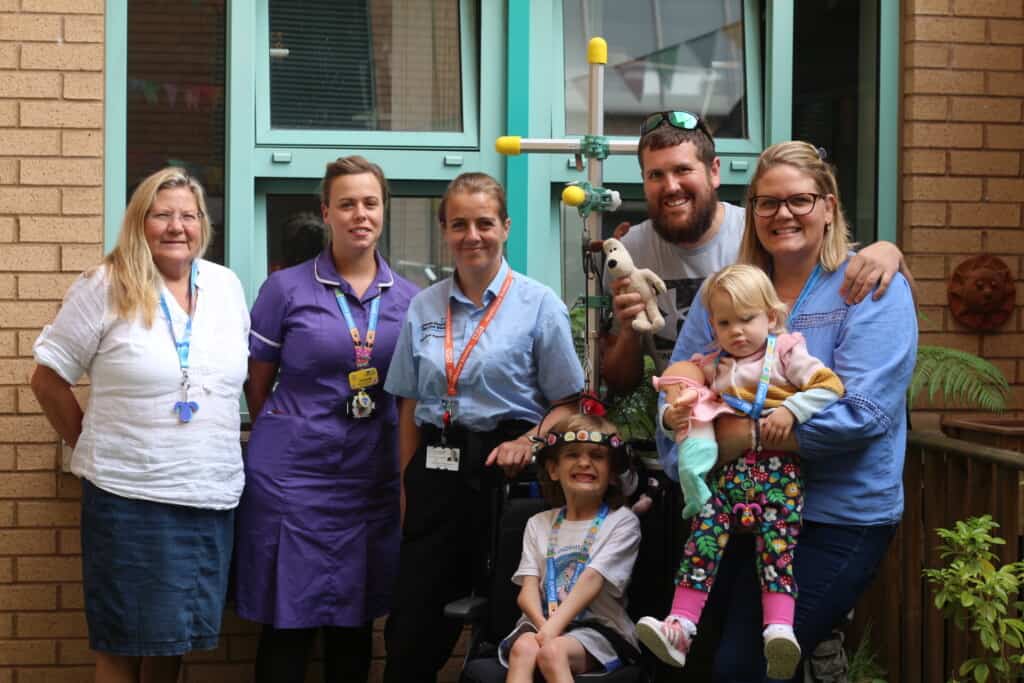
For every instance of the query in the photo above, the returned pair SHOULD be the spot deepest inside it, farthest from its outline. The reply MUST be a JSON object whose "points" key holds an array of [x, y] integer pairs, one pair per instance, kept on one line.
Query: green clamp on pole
{"points": [[594, 147], [588, 198]]}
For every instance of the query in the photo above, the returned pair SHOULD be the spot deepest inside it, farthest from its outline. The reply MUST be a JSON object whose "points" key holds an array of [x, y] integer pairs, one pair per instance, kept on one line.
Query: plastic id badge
{"points": [[440, 458], [361, 379]]}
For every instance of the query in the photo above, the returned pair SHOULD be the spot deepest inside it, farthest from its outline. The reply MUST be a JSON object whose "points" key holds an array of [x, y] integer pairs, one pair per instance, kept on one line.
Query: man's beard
{"points": [[703, 215]]}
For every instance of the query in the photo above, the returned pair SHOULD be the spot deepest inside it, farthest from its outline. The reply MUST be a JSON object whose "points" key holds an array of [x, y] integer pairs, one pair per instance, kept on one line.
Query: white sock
{"points": [[779, 631]]}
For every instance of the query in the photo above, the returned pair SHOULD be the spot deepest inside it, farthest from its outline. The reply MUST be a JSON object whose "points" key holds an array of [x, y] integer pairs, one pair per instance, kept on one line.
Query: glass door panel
{"points": [[411, 242], [359, 73], [175, 98], [662, 54]]}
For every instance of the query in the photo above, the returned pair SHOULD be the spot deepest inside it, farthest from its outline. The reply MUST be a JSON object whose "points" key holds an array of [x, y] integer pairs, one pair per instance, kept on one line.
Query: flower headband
{"points": [[581, 435]]}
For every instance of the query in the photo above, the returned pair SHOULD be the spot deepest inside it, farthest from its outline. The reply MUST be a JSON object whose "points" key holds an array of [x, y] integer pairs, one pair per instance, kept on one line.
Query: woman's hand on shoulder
{"points": [[512, 456]]}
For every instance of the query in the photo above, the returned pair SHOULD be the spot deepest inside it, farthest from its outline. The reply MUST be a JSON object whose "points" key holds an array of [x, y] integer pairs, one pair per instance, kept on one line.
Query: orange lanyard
{"points": [[453, 371]]}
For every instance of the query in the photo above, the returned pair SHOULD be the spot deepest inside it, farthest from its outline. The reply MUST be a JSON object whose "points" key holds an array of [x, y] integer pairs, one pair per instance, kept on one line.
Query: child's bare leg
{"points": [[562, 658], [522, 660]]}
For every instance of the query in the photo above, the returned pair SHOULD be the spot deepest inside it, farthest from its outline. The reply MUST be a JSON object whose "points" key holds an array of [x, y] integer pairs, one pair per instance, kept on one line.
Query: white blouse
{"points": [[132, 443]]}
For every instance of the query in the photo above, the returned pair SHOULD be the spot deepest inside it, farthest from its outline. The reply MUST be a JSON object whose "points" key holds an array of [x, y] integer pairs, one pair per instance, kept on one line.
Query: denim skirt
{"points": [[155, 575]]}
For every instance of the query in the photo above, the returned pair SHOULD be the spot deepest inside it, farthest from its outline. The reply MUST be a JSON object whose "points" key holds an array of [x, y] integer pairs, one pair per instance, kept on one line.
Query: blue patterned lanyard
{"points": [[363, 349], [184, 407], [805, 292], [754, 409], [550, 586]]}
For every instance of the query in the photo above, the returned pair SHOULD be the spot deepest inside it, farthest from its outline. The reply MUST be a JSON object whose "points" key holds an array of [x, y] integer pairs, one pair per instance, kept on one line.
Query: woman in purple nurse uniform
{"points": [[318, 525]]}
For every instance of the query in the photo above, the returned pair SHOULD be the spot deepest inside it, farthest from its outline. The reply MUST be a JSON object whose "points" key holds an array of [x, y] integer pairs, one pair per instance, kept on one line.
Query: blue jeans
{"points": [[833, 565]]}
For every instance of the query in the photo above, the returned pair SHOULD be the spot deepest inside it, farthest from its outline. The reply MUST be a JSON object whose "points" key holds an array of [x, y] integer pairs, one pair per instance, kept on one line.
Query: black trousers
{"points": [[284, 652], [663, 536], [447, 547]]}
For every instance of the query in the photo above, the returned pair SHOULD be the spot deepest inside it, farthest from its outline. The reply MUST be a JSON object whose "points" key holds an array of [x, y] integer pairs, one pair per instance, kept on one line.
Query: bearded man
{"points": [[689, 235]]}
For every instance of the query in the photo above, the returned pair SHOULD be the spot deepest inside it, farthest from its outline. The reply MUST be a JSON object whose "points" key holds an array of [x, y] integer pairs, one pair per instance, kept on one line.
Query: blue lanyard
{"points": [[183, 346], [362, 349], [805, 292], [550, 586], [754, 409], [184, 408]]}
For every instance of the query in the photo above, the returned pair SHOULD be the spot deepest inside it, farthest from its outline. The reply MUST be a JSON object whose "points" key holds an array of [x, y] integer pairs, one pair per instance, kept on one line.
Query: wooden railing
{"points": [[945, 480]]}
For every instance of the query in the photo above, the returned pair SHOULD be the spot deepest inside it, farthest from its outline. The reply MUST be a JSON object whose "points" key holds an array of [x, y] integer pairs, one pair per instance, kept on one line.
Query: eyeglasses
{"points": [[798, 204], [683, 120], [187, 218]]}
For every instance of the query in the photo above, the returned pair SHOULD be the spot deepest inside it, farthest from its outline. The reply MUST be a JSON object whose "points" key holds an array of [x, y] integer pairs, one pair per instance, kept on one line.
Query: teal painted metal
{"points": [[398, 164], [888, 119], [246, 253], [466, 139], [779, 71], [115, 156], [545, 256], [517, 172], [752, 78]]}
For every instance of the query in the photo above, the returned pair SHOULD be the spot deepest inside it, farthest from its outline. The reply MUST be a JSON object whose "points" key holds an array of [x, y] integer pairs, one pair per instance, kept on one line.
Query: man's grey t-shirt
{"points": [[683, 269]]}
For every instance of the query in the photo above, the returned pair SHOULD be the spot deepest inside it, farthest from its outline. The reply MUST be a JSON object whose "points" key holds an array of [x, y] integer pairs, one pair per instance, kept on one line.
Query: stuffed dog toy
{"points": [[643, 281]]}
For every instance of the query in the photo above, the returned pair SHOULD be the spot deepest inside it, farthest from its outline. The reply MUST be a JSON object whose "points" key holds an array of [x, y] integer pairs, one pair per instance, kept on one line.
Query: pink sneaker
{"points": [[669, 640]]}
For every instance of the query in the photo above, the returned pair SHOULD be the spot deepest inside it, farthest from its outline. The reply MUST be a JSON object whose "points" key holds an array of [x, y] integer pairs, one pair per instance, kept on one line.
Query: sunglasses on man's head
{"points": [[683, 120]]}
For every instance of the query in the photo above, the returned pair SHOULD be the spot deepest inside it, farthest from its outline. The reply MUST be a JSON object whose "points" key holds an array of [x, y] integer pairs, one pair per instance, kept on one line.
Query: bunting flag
{"points": [[151, 91], [171, 89], [194, 96], [633, 73]]}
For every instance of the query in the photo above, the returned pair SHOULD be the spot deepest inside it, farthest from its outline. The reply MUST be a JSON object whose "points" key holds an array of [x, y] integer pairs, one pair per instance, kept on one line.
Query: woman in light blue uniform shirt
{"points": [[852, 452], [482, 358]]}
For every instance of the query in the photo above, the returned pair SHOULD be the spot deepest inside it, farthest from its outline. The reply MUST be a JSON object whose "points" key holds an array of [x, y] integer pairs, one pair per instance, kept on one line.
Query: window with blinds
{"points": [[375, 65]]}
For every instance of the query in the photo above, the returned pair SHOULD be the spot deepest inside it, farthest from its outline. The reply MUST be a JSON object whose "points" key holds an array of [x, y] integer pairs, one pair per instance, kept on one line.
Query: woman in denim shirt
{"points": [[852, 451]]}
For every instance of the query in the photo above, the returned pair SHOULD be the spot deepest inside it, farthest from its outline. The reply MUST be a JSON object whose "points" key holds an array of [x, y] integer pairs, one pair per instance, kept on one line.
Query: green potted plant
{"points": [[980, 598]]}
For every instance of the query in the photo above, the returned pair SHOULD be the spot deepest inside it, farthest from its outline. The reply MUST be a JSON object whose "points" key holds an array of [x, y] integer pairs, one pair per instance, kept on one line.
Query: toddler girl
{"points": [[764, 372], [577, 560]]}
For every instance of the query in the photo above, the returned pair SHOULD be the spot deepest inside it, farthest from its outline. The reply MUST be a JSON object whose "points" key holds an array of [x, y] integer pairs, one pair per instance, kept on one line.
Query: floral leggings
{"points": [[760, 492]]}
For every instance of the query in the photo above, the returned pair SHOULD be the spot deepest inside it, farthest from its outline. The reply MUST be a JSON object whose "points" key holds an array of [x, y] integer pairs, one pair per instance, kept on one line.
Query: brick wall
{"points": [[51, 201], [962, 174]]}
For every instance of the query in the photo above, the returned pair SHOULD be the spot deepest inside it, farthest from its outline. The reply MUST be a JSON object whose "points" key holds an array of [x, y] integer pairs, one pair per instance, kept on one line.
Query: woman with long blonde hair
{"points": [[162, 335]]}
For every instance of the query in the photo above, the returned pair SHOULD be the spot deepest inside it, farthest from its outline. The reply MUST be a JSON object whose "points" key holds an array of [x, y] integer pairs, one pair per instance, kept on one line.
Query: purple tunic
{"points": [[318, 529]]}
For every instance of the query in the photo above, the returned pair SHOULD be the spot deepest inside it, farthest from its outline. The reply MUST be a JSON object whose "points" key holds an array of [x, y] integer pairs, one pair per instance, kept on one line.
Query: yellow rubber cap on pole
{"points": [[508, 145], [597, 51], [574, 195]]}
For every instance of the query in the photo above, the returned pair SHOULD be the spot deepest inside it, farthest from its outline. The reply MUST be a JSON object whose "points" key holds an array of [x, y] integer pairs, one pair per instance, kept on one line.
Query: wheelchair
{"points": [[491, 617]]}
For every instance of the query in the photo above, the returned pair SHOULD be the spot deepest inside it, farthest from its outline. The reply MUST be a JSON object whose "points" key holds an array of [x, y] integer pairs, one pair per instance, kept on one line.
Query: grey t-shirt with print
{"points": [[683, 269]]}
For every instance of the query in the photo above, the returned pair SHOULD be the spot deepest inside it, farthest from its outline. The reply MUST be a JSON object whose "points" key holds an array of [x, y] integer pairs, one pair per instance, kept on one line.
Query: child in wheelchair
{"points": [[576, 561]]}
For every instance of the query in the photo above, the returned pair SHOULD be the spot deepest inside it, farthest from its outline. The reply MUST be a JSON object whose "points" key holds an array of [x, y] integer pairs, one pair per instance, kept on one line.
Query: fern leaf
{"points": [[959, 377]]}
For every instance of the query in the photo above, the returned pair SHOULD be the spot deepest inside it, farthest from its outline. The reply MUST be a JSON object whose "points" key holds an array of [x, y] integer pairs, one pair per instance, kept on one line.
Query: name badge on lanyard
{"points": [[441, 458], [184, 408], [361, 405]]}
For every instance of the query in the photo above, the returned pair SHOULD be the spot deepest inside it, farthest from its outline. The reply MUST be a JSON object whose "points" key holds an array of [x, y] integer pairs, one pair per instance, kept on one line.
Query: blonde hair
{"points": [[749, 289], [135, 281], [474, 183], [805, 158]]}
